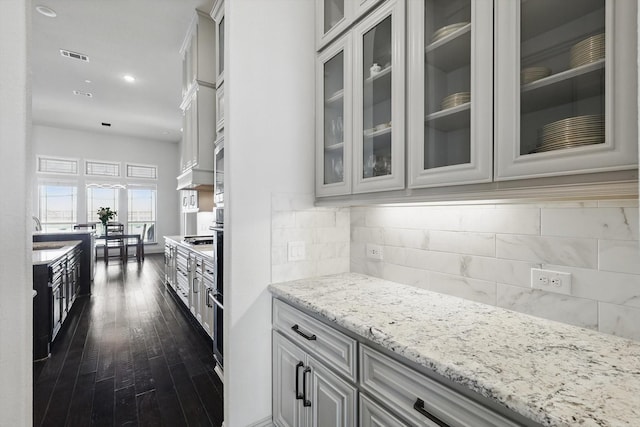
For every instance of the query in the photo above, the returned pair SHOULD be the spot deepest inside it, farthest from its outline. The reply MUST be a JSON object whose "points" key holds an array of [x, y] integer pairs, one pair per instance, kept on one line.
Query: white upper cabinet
{"points": [[450, 98], [198, 53], [378, 110], [333, 119], [566, 87], [332, 17], [217, 14]]}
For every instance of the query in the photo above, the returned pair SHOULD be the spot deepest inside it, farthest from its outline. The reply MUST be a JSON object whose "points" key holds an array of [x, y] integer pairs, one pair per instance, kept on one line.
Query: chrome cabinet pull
{"points": [[419, 406], [297, 330]]}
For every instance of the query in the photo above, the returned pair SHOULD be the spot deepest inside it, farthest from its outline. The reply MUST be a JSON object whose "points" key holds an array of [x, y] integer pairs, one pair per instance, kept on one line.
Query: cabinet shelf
{"points": [[568, 86], [386, 72], [336, 97], [452, 51], [370, 133], [454, 118], [334, 147]]}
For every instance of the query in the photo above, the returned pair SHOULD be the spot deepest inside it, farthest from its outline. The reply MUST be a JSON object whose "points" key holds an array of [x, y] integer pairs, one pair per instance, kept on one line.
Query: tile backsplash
{"points": [[485, 253], [323, 231], [479, 252]]}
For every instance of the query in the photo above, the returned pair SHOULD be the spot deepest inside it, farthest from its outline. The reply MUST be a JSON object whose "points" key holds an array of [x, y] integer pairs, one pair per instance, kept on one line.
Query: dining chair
{"points": [[114, 239], [137, 243]]}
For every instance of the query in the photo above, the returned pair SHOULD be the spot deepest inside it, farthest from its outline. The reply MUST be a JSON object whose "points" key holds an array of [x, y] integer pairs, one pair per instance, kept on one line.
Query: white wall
{"points": [[269, 137], [15, 250], [60, 142]]}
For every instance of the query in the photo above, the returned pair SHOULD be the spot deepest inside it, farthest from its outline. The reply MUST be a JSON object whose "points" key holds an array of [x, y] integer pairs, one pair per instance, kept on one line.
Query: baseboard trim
{"points": [[265, 422]]}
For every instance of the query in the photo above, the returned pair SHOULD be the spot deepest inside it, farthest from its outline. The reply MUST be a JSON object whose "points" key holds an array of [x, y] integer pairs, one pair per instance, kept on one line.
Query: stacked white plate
{"points": [[446, 30], [531, 74], [571, 132], [456, 99], [587, 51]]}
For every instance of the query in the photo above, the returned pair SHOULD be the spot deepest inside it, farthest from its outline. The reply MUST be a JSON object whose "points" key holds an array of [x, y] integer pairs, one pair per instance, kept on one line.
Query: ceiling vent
{"points": [[87, 94], [74, 55]]}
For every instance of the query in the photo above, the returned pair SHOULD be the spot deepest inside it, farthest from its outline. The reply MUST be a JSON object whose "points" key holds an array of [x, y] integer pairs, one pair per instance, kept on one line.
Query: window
{"points": [[99, 197], [142, 212], [99, 168], [57, 206], [142, 171], [57, 165]]}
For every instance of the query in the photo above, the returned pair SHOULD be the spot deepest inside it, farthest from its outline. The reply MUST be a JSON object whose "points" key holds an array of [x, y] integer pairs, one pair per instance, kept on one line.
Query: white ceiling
{"points": [[137, 37]]}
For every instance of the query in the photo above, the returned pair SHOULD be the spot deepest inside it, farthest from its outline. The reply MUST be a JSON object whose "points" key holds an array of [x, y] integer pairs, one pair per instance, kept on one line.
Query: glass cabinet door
{"points": [[569, 58], [450, 97], [379, 100], [332, 16], [333, 129]]}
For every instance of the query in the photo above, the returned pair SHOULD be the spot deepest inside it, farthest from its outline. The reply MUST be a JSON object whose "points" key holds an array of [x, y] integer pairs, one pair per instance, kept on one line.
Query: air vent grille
{"points": [[87, 94], [74, 55]]}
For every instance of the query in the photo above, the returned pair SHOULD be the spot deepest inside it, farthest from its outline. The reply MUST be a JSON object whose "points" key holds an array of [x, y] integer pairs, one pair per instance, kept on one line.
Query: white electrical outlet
{"points": [[374, 251], [551, 281], [296, 251]]}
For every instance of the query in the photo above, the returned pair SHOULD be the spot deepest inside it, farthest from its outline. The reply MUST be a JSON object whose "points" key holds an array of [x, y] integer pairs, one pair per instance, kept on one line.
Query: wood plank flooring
{"points": [[127, 356]]}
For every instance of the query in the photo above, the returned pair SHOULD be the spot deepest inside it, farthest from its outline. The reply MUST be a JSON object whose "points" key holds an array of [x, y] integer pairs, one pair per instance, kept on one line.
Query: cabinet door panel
{"points": [[450, 101], [334, 127], [373, 415], [333, 400], [566, 87], [287, 409], [379, 100], [332, 17]]}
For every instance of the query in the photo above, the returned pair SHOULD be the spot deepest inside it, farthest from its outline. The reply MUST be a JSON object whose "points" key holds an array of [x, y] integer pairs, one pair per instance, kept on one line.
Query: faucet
{"points": [[38, 224]]}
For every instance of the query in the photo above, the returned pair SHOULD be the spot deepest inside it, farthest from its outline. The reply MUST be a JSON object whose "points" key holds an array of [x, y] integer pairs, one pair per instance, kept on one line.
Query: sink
{"points": [[39, 246]]}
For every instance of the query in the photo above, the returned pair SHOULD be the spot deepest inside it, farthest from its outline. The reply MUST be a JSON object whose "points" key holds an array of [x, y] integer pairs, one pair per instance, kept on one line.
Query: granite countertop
{"points": [[552, 373], [48, 252], [205, 250]]}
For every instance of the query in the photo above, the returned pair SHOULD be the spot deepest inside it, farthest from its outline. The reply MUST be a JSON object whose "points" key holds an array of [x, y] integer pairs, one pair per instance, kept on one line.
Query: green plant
{"points": [[106, 214]]}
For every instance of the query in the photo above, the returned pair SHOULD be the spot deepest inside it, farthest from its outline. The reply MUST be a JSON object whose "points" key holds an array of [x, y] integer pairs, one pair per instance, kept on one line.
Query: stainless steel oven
{"points": [[216, 296]]}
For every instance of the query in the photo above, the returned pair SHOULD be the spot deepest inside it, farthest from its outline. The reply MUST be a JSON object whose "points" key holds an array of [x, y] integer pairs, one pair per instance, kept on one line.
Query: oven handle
{"points": [[215, 300]]}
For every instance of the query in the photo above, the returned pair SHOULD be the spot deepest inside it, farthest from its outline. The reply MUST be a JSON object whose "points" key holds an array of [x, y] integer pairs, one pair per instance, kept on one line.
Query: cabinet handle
{"points": [[193, 285], [206, 299], [419, 406], [298, 366], [305, 402], [297, 330]]}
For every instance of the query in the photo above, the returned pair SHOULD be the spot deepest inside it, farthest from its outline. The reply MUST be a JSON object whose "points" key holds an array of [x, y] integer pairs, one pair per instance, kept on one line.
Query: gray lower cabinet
{"points": [[313, 385], [374, 415], [307, 393]]}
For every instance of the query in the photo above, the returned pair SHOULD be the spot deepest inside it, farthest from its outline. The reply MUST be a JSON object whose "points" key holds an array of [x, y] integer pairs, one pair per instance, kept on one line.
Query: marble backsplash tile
{"points": [[324, 232], [485, 253]]}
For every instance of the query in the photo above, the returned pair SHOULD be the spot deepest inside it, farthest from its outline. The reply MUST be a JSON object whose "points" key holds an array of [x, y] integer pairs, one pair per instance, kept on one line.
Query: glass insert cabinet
{"points": [[496, 90], [566, 87], [360, 94]]}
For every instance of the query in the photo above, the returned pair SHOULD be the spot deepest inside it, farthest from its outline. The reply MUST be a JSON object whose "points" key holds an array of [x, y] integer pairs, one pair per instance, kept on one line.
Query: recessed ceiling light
{"points": [[46, 11], [129, 78], [81, 93], [87, 81]]}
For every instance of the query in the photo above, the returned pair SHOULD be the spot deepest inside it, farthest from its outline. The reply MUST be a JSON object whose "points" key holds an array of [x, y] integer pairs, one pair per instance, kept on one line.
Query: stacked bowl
{"points": [[456, 99]]}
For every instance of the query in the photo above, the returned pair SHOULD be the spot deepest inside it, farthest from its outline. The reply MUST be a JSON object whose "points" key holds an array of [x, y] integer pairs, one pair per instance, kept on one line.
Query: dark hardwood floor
{"points": [[127, 356]]}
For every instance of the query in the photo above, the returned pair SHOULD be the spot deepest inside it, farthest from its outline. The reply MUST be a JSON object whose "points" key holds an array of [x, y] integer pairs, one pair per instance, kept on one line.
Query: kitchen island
{"points": [[551, 373], [56, 282]]}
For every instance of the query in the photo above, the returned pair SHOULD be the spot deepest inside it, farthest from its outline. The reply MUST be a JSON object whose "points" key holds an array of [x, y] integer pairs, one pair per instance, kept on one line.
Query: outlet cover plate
{"points": [[296, 251], [558, 282], [374, 251]]}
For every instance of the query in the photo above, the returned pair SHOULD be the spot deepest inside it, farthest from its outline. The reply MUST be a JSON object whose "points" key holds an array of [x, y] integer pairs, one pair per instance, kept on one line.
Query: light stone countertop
{"points": [[205, 250], [48, 252], [552, 373]]}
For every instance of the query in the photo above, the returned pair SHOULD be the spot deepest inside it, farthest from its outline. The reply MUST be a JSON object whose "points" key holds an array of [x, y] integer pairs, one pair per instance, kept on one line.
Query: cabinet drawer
{"points": [[418, 397], [374, 415], [335, 348]]}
